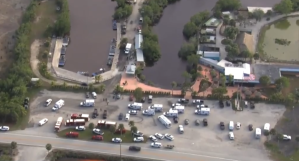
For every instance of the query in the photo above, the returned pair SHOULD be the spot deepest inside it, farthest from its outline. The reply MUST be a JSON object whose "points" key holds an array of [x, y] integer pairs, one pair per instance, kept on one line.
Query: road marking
{"points": [[110, 148]]}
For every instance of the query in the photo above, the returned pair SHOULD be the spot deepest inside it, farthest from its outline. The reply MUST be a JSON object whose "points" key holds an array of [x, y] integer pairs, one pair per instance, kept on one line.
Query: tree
{"points": [[264, 80], [118, 89], [204, 87], [220, 91], [138, 94], [228, 5], [121, 3], [123, 43], [13, 145], [230, 79], [91, 125], [269, 13], [48, 147], [222, 80], [246, 54], [232, 50], [151, 50], [256, 56], [200, 18], [62, 26], [193, 59], [297, 139], [186, 76], [134, 129], [131, 123], [284, 7], [231, 32], [272, 131], [186, 50], [282, 82], [98, 78], [189, 30], [232, 22], [225, 21], [112, 129], [121, 127], [258, 14], [173, 85]]}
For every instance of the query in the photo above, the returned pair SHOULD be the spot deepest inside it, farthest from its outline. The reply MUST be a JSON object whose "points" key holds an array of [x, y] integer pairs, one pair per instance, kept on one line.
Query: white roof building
{"points": [[237, 71], [138, 41], [139, 55], [264, 9], [131, 69]]}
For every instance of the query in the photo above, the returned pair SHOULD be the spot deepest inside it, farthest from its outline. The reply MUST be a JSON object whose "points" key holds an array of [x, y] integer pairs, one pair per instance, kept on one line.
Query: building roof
{"points": [[139, 55], [131, 69], [245, 42], [212, 22], [211, 54], [210, 61], [265, 9], [223, 62], [138, 41], [237, 72]]}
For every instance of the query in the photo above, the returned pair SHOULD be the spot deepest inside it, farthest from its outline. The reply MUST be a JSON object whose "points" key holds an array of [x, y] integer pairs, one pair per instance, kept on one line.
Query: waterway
{"points": [[91, 35], [287, 29], [170, 68]]}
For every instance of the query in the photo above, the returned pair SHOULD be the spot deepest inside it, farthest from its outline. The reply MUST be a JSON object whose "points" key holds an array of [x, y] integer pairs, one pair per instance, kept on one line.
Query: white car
{"points": [[197, 101], [159, 136], [98, 131], [43, 121], [231, 136], [153, 138], [55, 108], [80, 128], [156, 145], [48, 102], [181, 129], [132, 112], [139, 139], [4, 128], [175, 104], [116, 140], [286, 137], [169, 137], [238, 126]]}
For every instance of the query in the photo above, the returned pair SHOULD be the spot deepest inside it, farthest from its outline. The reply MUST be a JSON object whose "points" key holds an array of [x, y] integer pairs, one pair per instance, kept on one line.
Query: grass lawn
{"points": [[276, 155], [108, 135]]}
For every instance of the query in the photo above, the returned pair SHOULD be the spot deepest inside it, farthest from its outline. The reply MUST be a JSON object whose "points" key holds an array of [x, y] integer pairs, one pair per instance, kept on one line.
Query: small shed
{"points": [[131, 69]]}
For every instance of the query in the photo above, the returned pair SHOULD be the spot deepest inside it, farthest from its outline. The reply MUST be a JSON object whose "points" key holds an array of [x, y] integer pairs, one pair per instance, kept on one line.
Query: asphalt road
{"points": [[107, 148]]}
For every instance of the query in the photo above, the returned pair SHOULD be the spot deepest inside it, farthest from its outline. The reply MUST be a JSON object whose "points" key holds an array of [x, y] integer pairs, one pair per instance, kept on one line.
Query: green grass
{"points": [[276, 155], [108, 135]]}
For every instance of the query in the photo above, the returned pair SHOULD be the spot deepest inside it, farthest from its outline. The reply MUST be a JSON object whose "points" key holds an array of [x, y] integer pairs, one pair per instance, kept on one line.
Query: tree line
{"points": [[151, 13], [123, 10], [62, 26], [14, 85]]}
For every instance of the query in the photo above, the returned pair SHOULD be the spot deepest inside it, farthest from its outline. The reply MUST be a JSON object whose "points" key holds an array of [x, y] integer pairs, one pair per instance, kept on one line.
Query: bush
{"points": [[226, 42], [248, 92]]}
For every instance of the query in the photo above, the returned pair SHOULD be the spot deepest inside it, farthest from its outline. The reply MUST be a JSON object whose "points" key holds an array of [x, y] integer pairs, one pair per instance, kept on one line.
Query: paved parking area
{"points": [[198, 139]]}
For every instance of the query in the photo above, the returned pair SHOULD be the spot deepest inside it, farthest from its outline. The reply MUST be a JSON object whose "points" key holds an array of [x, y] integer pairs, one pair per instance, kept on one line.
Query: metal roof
{"points": [[131, 69], [139, 55], [264, 9], [138, 41]]}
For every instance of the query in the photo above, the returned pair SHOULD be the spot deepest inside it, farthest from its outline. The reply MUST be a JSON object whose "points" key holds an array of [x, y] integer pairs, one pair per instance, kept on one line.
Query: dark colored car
{"points": [[221, 104], [84, 84], [87, 95], [227, 103], [222, 126], [252, 106], [143, 99], [114, 25], [95, 113], [250, 127], [120, 116], [176, 120], [183, 101], [134, 148], [105, 114], [205, 122], [186, 122]]}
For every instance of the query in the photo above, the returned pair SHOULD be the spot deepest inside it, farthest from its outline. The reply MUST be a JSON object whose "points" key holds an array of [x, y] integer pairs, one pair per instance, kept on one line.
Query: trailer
{"points": [[75, 122], [80, 116], [88, 103], [58, 123], [106, 124]]}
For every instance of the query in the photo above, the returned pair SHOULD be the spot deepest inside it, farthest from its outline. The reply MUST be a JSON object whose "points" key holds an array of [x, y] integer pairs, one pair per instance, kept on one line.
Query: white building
{"points": [[139, 52]]}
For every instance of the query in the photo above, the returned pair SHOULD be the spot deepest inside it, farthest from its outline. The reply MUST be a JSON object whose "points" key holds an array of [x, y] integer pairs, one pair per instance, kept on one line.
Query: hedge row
{"points": [[98, 89], [57, 154], [150, 92]]}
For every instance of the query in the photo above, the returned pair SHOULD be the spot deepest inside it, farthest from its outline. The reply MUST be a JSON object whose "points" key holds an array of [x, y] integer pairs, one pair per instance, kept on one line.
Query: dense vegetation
{"points": [[123, 10], [152, 12], [14, 86], [63, 25]]}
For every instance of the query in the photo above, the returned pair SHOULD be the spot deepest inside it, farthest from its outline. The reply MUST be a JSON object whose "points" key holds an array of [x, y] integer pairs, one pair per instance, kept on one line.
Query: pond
{"points": [[281, 40], [91, 35], [170, 68]]}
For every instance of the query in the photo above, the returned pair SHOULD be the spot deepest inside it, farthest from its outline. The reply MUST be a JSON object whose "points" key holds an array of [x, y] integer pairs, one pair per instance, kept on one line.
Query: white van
{"points": [[258, 133], [231, 126], [231, 136], [42, 122], [181, 109], [156, 107], [135, 106], [94, 95], [171, 113], [267, 127], [165, 121], [48, 102], [149, 112], [127, 117]]}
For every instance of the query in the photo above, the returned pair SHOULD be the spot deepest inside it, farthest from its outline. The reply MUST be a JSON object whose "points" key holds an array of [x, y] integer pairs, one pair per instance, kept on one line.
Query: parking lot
{"points": [[208, 140]]}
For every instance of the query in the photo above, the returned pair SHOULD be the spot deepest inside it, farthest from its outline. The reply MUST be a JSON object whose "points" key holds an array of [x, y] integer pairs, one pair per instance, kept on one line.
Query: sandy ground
{"points": [[36, 153]]}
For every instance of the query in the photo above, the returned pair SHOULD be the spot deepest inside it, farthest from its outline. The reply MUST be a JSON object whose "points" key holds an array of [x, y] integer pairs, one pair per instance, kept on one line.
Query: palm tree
{"points": [[134, 129], [186, 75], [13, 145], [121, 126], [131, 123], [53, 84], [118, 89], [173, 85], [225, 21], [204, 87], [98, 78]]}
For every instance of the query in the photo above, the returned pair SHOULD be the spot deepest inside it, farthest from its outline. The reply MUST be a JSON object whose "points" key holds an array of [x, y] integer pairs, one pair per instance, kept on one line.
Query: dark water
{"points": [[91, 33], [170, 68]]}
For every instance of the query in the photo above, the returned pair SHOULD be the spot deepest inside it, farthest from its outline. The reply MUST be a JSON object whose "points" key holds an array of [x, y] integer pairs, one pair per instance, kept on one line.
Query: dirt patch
{"points": [[10, 17]]}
